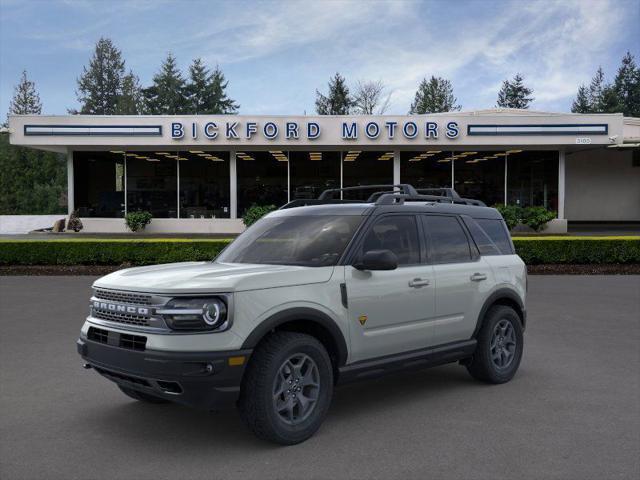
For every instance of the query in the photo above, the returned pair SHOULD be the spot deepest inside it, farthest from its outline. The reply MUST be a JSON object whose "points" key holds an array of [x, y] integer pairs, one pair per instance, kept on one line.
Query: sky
{"points": [[276, 54]]}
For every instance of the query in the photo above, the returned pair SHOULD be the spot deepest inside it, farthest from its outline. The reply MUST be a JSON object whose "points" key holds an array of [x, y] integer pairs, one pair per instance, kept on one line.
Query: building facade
{"points": [[201, 173]]}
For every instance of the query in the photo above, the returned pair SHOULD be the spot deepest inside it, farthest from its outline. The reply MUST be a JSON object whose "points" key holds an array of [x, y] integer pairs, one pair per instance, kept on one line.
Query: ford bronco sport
{"points": [[318, 293]]}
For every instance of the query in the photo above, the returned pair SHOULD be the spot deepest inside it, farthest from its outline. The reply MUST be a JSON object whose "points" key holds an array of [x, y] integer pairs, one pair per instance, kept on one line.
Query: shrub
{"points": [[537, 217], [137, 220], [255, 213], [578, 250], [534, 217], [510, 213], [74, 223]]}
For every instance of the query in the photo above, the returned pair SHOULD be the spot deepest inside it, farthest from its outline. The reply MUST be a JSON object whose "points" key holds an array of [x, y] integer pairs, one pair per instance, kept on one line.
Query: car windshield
{"points": [[310, 241]]}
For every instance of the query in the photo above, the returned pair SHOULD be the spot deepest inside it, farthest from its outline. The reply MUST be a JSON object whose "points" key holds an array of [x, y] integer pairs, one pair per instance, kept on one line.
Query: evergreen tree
{"points": [[167, 95], [627, 86], [581, 104], [206, 91], [338, 101], [433, 96], [514, 94], [130, 101], [218, 100], [596, 91], [100, 85], [25, 99]]}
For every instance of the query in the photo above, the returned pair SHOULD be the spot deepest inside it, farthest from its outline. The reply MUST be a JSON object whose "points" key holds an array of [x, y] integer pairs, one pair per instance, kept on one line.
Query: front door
{"points": [[390, 311]]}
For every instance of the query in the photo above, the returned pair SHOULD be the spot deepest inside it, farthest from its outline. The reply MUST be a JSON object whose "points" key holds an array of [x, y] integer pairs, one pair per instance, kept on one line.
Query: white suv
{"points": [[312, 296]]}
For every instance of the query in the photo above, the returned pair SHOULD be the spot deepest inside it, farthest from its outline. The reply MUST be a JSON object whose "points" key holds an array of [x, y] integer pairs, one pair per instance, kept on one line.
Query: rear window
{"points": [[449, 243], [497, 232]]}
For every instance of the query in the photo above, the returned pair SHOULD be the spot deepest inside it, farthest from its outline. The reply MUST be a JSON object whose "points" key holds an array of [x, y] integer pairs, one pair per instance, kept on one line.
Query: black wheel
{"points": [[141, 396], [500, 345], [287, 388]]}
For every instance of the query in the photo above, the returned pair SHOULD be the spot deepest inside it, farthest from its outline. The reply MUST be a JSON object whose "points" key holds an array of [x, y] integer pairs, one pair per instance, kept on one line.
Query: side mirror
{"points": [[377, 260]]}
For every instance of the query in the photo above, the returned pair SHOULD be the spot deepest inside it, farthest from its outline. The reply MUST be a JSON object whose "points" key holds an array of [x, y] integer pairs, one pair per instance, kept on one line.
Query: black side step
{"points": [[416, 359]]}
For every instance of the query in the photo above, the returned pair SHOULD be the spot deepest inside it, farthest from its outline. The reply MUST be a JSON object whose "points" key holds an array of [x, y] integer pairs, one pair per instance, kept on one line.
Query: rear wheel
{"points": [[287, 388], [500, 345], [141, 396]]}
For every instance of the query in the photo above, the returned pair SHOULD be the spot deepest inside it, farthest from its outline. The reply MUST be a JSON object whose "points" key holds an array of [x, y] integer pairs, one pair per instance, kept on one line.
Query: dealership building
{"points": [[200, 173]]}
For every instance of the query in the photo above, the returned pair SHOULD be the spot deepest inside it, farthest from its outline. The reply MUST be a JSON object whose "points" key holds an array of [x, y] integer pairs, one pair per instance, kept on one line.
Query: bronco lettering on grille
{"points": [[117, 308]]}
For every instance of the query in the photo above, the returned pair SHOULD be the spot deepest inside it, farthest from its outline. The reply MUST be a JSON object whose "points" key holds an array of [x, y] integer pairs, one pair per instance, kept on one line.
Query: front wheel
{"points": [[500, 345], [287, 388]]}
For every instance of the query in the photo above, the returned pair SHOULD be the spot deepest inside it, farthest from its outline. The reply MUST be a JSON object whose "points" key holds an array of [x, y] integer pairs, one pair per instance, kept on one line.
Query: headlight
{"points": [[195, 314]]}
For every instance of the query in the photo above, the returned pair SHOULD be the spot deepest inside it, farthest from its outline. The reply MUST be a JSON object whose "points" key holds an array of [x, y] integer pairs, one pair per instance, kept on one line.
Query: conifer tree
{"points": [[627, 86], [514, 94], [581, 104], [338, 100], [167, 95], [206, 92], [433, 96], [100, 85], [130, 101], [25, 99]]}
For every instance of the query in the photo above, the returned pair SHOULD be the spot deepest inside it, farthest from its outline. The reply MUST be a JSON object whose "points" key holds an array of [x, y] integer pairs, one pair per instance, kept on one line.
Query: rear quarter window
{"points": [[497, 231]]}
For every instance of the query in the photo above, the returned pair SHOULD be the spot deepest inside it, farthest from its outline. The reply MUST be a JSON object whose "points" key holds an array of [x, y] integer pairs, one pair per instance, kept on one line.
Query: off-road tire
{"points": [[482, 366], [141, 396], [256, 402]]}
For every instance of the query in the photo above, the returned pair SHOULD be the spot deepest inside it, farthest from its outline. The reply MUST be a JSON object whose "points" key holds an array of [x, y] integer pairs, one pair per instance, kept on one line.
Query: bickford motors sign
{"points": [[294, 130]]}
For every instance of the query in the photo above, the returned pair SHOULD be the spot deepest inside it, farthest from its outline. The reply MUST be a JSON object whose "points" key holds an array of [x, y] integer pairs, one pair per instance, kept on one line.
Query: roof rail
{"points": [[404, 188], [388, 195]]}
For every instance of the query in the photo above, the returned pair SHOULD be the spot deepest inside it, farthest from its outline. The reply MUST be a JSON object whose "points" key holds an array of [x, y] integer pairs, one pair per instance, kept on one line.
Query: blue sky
{"points": [[275, 54]]}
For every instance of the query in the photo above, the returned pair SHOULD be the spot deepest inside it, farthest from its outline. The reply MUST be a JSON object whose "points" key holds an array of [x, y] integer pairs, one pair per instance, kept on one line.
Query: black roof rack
{"points": [[389, 195]]}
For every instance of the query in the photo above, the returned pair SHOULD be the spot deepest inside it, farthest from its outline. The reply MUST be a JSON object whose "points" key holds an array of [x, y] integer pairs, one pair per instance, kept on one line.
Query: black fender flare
{"points": [[300, 314], [500, 294]]}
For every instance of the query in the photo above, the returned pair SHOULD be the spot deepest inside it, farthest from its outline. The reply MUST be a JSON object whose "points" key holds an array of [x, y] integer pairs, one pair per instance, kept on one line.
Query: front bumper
{"points": [[204, 380]]}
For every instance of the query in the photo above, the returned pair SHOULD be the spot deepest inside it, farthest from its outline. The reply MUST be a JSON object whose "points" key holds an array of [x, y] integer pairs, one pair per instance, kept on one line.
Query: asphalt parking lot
{"points": [[573, 410]]}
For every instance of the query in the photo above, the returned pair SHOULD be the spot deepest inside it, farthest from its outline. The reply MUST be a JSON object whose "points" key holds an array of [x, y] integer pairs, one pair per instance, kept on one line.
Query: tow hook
{"points": [[86, 366]]}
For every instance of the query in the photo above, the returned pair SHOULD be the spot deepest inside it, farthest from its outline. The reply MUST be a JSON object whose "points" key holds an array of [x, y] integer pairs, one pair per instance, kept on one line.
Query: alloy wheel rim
{"points": [[503, 344], [296, 389]]}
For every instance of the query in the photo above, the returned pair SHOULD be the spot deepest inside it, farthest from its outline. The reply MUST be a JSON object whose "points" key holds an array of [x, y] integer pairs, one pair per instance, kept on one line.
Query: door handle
{"points": [[419, 282], [478, 277]]}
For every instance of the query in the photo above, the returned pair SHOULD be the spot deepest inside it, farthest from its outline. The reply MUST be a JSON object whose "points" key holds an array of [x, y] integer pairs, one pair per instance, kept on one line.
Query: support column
{"points": [[70, 184], [396, 167], [561, 182], [506, 177], [233, 185]]}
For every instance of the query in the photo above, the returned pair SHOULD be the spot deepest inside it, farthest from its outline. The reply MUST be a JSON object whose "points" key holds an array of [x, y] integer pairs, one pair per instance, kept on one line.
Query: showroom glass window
{"points": [[313, 172], [428, 168], [480, 175], [99, 184], [204, 184], [366, 168], [152, 183], [532, 179], [262, 179]]}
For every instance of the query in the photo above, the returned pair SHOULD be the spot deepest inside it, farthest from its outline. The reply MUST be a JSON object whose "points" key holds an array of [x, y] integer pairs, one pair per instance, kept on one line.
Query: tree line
{"points": [[33, 181]]}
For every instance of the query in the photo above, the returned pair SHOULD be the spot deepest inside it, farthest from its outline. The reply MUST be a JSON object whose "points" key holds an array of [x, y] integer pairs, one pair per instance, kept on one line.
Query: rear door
{"points": [[462, 278], [390, 311]]}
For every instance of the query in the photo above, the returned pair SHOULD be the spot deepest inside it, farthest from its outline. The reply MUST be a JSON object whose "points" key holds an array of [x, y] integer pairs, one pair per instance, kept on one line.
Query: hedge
{"points": [[533, 250], [107, 252], [578, 250]]}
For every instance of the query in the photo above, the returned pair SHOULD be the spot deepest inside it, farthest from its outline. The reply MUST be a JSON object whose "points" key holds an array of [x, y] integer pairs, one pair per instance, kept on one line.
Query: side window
{"points": [[449, 243], [398, 233], [480, 237], [497, 231]]}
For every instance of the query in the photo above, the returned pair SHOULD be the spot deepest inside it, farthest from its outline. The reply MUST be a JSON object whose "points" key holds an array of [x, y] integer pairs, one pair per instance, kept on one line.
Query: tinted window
{"points": [[449, 243], [480, 237], [497, 232], [310, 241], [398, 234]]}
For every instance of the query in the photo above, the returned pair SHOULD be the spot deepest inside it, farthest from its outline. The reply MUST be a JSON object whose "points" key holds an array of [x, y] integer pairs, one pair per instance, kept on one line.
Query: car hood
{"points": [[209, 277]]}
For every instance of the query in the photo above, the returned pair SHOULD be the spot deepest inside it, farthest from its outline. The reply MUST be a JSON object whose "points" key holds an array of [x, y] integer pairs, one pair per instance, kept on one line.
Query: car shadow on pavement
{"points": [[192, 429]]}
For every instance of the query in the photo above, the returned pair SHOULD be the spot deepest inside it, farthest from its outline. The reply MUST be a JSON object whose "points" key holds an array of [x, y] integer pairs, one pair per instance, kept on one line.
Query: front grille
{"points": [[133, 342], [122, 340], [128, 318], [123, 297], [98, 335]]}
